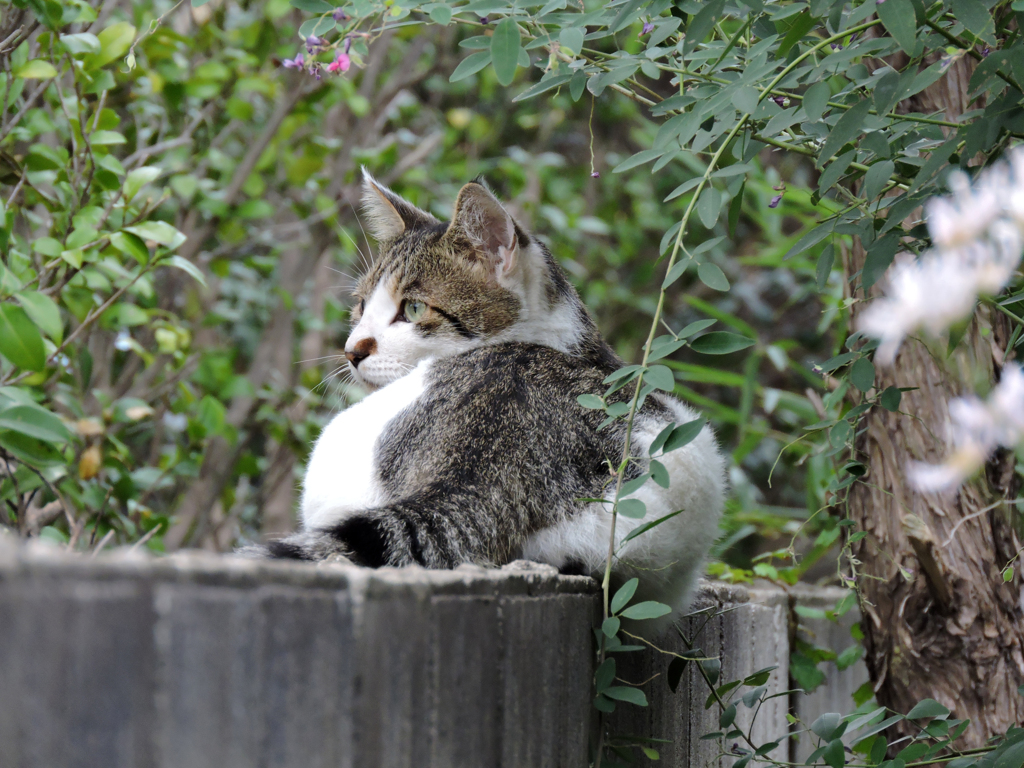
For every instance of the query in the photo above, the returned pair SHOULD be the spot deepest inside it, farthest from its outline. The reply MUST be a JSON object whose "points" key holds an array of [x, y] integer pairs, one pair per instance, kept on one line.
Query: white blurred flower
{"points": [[978, 233], [976, 428], [123, 341]]}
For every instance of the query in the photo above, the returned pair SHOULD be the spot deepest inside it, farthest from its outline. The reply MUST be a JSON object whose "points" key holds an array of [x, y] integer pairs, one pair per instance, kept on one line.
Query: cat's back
{"points": [[501, 414]]}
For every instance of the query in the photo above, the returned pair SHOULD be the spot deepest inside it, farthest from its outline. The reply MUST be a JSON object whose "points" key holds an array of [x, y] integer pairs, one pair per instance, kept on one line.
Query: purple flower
{"points": [[985, 52], [314, 43], [648, 28], [348, 44], [836, 47], [484, 20], [595, 175], [340, 64], [775, 201], [297, 63], [339, 15], [780, 100]]}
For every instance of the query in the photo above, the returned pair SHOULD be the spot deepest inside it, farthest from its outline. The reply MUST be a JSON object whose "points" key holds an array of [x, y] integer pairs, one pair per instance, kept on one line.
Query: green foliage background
{"points": [[179, 229], [148, 343]]}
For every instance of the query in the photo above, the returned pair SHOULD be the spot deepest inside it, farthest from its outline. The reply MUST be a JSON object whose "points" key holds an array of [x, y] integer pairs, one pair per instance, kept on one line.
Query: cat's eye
{"points": [[414, 310]]}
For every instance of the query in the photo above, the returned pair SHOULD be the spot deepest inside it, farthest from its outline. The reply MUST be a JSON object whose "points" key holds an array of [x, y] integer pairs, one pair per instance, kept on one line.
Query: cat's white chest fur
{"points": [[342, 477]]}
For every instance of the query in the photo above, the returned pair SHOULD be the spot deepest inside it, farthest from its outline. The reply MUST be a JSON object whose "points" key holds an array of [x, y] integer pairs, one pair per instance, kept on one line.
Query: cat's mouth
{"points": [[376, 371]]}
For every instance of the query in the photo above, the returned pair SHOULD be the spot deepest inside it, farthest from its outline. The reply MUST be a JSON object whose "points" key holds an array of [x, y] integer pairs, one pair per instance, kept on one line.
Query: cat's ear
{"points": [[484, 222], [387, 214]]}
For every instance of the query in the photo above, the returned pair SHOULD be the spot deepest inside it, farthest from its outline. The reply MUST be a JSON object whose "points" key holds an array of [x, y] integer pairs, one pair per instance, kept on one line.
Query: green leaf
{"points": [[312, 6], [470, 66], [834, 754], [627, 694], [43, 311], [37, 69], [572, 39], [709, 206], [927, 708], [130, 245], [1008, 573], [317, 27], [199, 3], [545, 85], [642, 529], [578, 84], [505, 50], [644, 156], [901, 24], [632, 508], [890, 399], [1013, 757], [721, 343], [610, 626], [659, 475], [115, 41], [81, 43], [675, 273], [712, 276], [107, 139], [846, 129], [649, 609], [801, 25], [879, 256], [187, 266], [727, 716], [20, 341], [702, 23], [593, 402], [835, 171], [862, 374], [441, 14], [816, 99], [605, 675], [683, 435], [160, 232], [851, 655], [975, 17], [138, 179], [660, 377], [877, 177], [826, 725], [34, 421], [623, 595]]}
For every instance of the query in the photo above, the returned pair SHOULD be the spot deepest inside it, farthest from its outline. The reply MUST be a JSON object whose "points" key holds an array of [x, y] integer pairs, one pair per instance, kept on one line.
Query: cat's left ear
{"points": [[388, 215], [484, 222]]}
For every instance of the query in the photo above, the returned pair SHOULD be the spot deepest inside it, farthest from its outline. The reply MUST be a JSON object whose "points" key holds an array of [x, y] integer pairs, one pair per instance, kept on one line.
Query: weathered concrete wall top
{"points": [[199, 660], [132, 661]]}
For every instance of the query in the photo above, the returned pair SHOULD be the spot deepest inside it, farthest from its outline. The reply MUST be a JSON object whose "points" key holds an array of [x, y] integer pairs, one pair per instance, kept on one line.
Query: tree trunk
{"points": [[939, 621]]}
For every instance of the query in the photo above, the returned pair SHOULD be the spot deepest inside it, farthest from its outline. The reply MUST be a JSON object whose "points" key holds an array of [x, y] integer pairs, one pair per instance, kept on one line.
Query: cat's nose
{"points": [[360, 351]]}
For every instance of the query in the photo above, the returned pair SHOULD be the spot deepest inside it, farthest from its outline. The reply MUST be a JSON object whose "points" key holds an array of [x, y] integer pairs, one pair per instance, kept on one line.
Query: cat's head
{"points": [[440, 288]]}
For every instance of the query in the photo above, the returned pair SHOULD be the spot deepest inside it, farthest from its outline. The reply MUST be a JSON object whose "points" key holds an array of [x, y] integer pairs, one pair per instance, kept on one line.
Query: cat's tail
{"points": [[439, 532], [311, 546]]}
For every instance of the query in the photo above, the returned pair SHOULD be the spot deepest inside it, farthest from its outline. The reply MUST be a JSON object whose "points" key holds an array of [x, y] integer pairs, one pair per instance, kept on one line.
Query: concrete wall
{"points": [[127, 661]]}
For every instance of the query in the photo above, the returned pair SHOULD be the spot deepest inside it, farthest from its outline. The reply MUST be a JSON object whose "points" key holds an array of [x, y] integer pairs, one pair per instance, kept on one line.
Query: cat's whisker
{"points": [[317, 359], [366, 262], [369, 248]]}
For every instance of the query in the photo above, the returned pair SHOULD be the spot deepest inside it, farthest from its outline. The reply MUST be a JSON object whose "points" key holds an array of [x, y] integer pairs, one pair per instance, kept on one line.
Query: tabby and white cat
{"points": [[471, 446]]}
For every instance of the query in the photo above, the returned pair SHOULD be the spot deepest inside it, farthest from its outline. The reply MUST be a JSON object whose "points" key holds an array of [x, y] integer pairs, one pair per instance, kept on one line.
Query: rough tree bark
{"points": [[939, 621]]}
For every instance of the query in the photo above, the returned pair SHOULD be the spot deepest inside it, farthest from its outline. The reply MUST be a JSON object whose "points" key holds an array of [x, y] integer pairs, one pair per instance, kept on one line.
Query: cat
{"points": [[471, 446]]}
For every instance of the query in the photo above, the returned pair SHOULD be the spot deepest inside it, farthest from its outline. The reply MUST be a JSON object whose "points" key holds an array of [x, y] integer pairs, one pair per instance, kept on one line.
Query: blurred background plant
{"points": [[180, 187]]}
